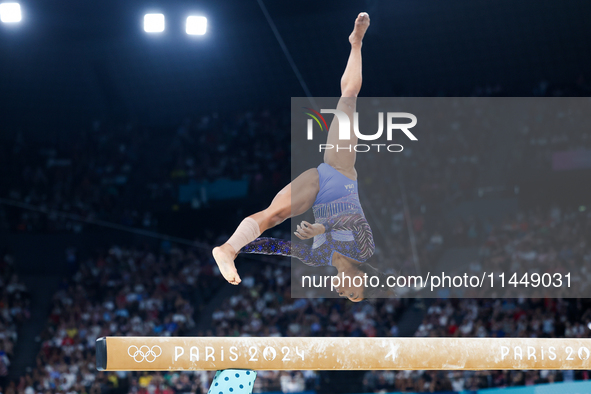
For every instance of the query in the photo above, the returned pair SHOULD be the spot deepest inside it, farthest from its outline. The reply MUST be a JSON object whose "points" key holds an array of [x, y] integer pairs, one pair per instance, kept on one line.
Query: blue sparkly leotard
{"points": [[337, 207]]}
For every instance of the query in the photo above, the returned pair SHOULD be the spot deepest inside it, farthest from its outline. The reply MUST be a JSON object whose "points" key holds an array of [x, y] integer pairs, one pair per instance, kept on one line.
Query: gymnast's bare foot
{"points": [[224, 257], [361, 25]]}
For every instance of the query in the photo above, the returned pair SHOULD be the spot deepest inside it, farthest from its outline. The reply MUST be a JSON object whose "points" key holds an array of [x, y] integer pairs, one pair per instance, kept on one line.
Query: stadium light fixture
{"points": [[10, 12], [196, 25], [153, 23]]}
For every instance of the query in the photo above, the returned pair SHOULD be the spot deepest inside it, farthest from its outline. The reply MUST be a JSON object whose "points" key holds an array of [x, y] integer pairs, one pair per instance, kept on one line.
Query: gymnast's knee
{"points": [[273, 216]]}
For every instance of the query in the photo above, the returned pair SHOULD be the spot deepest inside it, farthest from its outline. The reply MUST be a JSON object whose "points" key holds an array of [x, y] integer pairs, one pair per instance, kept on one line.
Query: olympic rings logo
{"points": [[144, 353]]}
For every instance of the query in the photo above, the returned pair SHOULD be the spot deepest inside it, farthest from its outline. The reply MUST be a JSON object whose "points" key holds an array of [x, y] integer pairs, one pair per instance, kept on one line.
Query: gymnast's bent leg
{"points": [[293, 200], [282, 247]]}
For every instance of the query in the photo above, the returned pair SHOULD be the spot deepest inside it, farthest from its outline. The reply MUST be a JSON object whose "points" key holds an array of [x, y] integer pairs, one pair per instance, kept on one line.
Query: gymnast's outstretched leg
{"points": [[293, 200], [343, 160]]}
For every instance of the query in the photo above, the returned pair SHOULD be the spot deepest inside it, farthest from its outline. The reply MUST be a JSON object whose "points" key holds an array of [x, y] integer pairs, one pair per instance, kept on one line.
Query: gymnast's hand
{"points": [[306, 230]]}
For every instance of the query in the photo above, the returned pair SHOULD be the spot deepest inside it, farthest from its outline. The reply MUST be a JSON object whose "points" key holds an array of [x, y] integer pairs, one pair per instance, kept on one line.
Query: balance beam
{"points": [[279, 353]]}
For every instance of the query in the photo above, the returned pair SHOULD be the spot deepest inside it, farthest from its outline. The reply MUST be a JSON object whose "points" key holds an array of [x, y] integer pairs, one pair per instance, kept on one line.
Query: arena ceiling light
{"points": [[196, 25], [10, 12], [153, 23]]}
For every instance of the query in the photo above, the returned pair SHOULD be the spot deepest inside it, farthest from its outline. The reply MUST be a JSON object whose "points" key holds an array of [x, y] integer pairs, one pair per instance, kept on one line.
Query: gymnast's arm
{"points": [[355, 223], [362, 233]]}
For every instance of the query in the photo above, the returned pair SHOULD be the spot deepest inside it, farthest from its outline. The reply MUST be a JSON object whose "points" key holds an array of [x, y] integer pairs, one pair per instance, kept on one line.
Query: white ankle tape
{"points": [[246, 232]]}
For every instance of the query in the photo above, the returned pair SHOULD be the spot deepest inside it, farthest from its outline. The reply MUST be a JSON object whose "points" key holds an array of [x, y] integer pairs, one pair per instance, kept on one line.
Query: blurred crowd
{"points": [[473, 155], [552, 240], [140, 292], [117, 292], [125, 173], [544, 241], [14, 310], [520, 318]]}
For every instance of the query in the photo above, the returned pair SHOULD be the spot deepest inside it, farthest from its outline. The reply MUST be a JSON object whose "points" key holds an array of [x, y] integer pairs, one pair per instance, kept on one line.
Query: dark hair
{"points": [[381, 290]]}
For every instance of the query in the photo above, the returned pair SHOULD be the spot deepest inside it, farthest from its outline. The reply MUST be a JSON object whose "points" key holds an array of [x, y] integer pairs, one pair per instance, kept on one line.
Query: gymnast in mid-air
{"points": [[342, 236]]}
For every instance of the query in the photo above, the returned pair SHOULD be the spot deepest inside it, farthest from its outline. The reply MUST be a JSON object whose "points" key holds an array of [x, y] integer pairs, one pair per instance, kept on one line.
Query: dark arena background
{"points": [[127, 155]]}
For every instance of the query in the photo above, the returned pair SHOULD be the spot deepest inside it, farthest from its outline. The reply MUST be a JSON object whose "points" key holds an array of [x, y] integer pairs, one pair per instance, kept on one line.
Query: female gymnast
{"points": [[342, 236]]}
